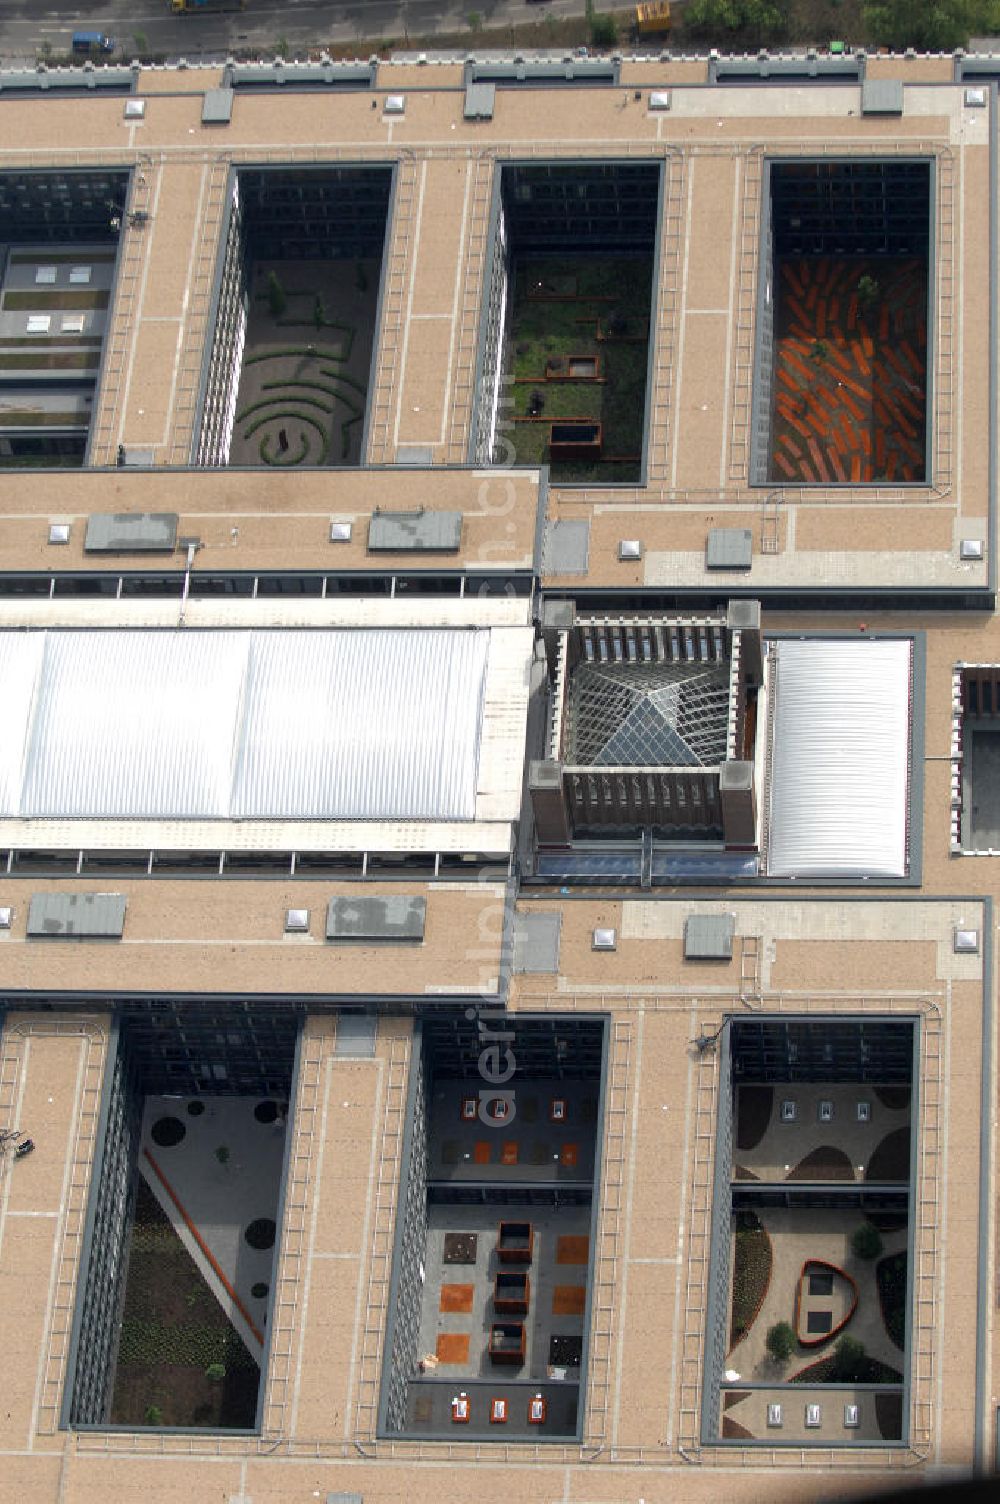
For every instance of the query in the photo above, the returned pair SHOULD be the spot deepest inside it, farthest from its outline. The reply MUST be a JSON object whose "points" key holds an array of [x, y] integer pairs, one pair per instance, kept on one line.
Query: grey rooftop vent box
{"points": [[415, 454], [76, 916], [709, 937], [536, 942], [480, 100], [376, 920], [882, 96], [415, 532], [566, 546], [217, 107], [355, 1036], [729, 548], [131, 533]]}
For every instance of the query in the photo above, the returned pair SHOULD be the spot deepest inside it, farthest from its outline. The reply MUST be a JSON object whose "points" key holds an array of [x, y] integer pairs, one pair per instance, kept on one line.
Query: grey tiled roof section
{"points": [[480, 100], [131, 533], [882, 96], [536, 942], [371, 920], [217, 107], [355, 1037], [415, 532], [566, 548], [709, 937], [76, 916], [729, 548], [415, 454]]}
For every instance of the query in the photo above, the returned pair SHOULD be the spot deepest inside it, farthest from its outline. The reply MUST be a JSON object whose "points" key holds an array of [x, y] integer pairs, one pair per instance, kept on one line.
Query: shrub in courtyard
{"points": [[153, 1415], [780, 1341], [277, 300], [222, 1154], [849, 1361], [319, 311], [215, 1372], [866, 1241]]}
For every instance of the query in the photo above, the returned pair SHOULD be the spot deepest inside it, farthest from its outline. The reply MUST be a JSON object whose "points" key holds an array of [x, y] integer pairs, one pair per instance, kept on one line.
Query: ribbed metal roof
{"points": [[339, 725], [840, 748]]}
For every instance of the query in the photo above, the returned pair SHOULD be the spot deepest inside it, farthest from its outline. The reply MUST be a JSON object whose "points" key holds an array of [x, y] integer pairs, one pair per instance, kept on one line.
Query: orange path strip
{"points": [[210, 1256]]}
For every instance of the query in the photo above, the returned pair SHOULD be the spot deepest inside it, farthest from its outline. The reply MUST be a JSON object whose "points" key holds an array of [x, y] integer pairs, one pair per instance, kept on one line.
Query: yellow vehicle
{"points": [[650, 19]]}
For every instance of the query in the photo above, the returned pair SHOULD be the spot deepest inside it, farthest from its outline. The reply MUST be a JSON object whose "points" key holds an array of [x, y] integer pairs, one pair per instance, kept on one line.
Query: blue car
{"points": [[91, 42]]}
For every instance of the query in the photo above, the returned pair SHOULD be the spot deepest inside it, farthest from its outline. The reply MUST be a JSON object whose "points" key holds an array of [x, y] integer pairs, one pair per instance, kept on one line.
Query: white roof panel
{"points": [[361, 725], [840, 757], [237, 725]]}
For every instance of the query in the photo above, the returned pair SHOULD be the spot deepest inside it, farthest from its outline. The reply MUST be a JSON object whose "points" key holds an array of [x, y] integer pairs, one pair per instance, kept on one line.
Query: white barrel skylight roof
{"points": [[840, 757], [346, 725]]}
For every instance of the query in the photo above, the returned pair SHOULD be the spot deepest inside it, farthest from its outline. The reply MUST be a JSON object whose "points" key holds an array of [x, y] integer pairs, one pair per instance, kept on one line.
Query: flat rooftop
{"points": [[715, 144]]}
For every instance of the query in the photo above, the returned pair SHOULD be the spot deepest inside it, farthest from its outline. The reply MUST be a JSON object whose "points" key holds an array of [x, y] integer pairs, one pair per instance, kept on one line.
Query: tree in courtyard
{"points": [[848, 1361], [319, 311], [780, 1341], [277, 301], [866, 1241]]}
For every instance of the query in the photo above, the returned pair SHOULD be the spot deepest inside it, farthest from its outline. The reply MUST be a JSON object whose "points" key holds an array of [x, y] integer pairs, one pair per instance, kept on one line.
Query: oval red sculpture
{"points": [[806, 1339]]}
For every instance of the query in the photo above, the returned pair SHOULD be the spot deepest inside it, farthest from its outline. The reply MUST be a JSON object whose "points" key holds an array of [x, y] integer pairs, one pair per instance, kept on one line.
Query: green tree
{"points": [[930, 26], [215, 1372], [755, 22], [603, 31], [277, 302], [866, 1241], [474, 21], [153, 1415], [780, 1341], [848, 1361], [319, 311], [222, 1154]]}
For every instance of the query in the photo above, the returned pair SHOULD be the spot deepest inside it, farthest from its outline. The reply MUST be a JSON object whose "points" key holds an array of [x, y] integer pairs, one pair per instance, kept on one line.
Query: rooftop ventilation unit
{"points": [[296, 921], [604, 940], [59, 532], [882, 96], [966, 942], [217, 107], [76, 916], [789, 1111], [340, 532], [826, 1112], [415, 532], [729, 548], [852, 1417], [709, 937], [774, 1419], [814, 1416], [480, 101], [395, 104], [864, 1112], [131, 533], [6, 918], [376, 920]]}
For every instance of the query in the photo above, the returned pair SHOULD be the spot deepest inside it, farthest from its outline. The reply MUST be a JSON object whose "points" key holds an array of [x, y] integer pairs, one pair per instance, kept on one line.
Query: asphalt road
{"points": [[304, 24]]}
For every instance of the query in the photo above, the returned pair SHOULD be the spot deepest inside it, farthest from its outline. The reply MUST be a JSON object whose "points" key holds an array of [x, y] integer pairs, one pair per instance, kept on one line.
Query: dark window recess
{"points": [[262, 863], [185, 863], [289, 584], [393, 864], [328, 864], [151, 585], [221, 584]]}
